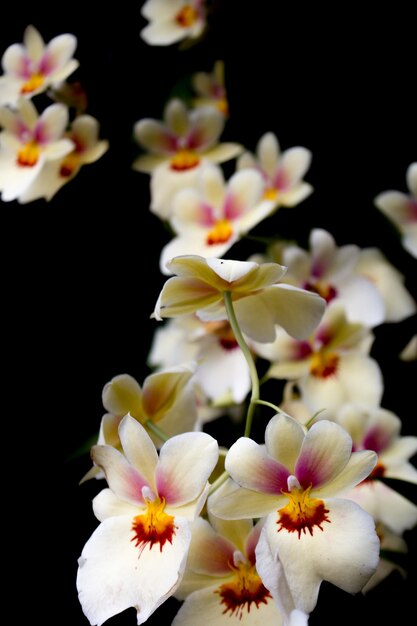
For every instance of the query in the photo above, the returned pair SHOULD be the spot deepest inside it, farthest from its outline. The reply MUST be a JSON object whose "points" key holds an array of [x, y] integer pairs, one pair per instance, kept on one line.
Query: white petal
{"points": [[46, 184], [107, 504], [33, 42], [362, 301], [395, 205], [17, 179], [229, 270], [114, 574], [9, 90], [412, 179], [154, 136], [402, 448], [385, 505], [223, 152], [409, 240], [14, 61], [268, 152], [295, 195], [295, 163], [57, 149], [233, 502], [52, 123], [244, 191], [159, 9], [185, 464], [283, 439], [138, 448], [206, 126], [122, 395], [357, 469], [163, 33], [57, 53], [298, 263], [210, 553], [323, 251], [345, 552]]}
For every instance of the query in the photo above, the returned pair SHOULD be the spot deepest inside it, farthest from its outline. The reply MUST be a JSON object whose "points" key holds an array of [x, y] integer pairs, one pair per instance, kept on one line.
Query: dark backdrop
{"points": [[81, 272]]}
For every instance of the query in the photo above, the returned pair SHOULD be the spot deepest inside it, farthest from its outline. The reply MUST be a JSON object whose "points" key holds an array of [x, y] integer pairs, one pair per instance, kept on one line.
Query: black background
{"points": [[81, 272]]}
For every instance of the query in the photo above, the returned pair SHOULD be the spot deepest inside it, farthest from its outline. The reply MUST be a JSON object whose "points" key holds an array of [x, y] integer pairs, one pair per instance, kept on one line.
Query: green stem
{"points": [[218, 482], [249, 359], [156, 431], [272, 406]]}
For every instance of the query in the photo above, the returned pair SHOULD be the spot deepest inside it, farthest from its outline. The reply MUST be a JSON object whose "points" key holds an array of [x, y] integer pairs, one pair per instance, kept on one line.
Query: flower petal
{"points": [[180, 296], [58, 53], [411, 177], [359, 466], [232, 502], [107, 504], [209, 553], [153, 136], [162, 389], [395, 205], [138, 448], [123, 395], [386, 505], [295, 163], [33, 42], [185, 464], [206, 126], [244, 191], [268, 152], [52, 123], [114, 574], [223, 152], [162, 33], [15, 61], [283, 439]]}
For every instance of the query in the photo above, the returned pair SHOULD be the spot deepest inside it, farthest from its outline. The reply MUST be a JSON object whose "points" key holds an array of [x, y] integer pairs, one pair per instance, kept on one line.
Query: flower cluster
{"points": [[40, 153], [306, 493]]}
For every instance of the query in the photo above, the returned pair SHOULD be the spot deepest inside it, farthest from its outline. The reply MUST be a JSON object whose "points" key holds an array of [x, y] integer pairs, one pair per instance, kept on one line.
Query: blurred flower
{"points": [[31, 67], [331, 367], [88, 148], [282, 173], [210, 89], [295, 480], [27, 142], [259, 302], [379, 430], [208, 220], [177, 147], [391, 546], [409, 352], [136, 557], [401, 209], [173, 20]]}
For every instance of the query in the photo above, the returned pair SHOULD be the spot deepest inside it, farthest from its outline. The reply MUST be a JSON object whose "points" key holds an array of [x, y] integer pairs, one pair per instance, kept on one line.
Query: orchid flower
{"points": [[27, 142], [210, 89], [171, 21], [31, 67], [282, 173], [401, 210], [259, 300], [311, 533], [136, 556]]}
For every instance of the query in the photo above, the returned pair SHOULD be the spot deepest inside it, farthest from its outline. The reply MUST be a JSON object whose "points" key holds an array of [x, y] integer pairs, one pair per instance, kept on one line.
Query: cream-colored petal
{"points": [[206, 126], [107, 504], [268, 152], [52, 123], [14, 61], [210, 553], [233, 502], [283, 439], [395, 205], [411, 177], [154, 136], [57, 54], [123, 395], [359, 466], [295, 163], [33, 42], [138, 448], [159, 9], [295, 195], [163, 33], [162, 390]]}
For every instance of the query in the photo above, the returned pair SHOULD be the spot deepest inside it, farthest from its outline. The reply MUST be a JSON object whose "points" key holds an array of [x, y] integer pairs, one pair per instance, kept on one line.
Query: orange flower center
{"points": [[220, 233], [243, 592], [324, 364], [32, 84], [302, 512], [325, 290], [271, 193], [223, 106], [69, 165], [186, 16], [28, 155], [184, 160], [153, 527]]}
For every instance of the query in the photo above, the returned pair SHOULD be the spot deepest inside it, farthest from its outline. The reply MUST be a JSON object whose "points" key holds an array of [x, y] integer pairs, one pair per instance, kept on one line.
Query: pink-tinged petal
{"points": [[28, 114], [386, 505], [190, 510], [176, 118], [212, 185], [295, 163], [359, 467], [383, 428], [268, 152], [223, 152], [51, 124], [138, 448], [298, 311], [163, 33], [206, 126], [107, 504], [233, 502], [324, 453], [362, 301], [250, 466], [57, 54], [252, 540], [209, 553], [163, 389], [323, 251], [33, 42], [189, 210], [123, 395], [345, 552], [238, 532], [284, 437], [15, 62], [411, 177], [185, 464], [153, 136], [115, 574], [244, 192], [216, 613], [122, 478]]}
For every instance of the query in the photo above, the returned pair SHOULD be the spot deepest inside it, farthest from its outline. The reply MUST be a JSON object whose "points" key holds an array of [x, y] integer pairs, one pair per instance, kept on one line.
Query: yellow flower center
{"points": [[220, 233], [154, 526], [28, 155], [271, 193], [246, 589], [186, 16], [184, 160], [324, 364], [32, 84], [69, 165], [223, 106], [302, 512]]}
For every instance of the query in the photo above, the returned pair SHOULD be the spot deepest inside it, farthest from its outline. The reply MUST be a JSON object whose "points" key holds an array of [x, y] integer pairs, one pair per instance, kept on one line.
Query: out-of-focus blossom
{"points": [[210, 89], [73, 95], [88, 148], [379, 430], [221, 581], [171, 21], [260, 303], [177, 148], [136, 557], [27, 142], [331, 367], [31, 67], [310, 533], [222, 372], [401, 209], [283, 173], [391, 546], [409, 352], [209, 219], [166, 399]]}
